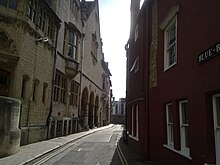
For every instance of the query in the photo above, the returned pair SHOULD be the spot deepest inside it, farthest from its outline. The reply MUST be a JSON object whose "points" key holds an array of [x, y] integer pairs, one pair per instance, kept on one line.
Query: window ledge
{"points": [[170, 147], [133, 137], [169, 67]]}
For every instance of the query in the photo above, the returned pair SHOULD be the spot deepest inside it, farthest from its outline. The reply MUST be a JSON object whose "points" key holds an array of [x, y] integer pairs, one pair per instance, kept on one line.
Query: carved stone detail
{"points": [[6, 43]]}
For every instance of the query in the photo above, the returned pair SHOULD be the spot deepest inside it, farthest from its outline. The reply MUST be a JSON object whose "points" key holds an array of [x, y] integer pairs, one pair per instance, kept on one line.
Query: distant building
{"points": [[118, 111], [173, 89]]}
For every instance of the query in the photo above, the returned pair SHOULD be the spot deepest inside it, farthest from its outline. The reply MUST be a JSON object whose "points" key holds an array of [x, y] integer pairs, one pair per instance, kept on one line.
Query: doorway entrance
{"points": [[216, 115], [4, 82]]}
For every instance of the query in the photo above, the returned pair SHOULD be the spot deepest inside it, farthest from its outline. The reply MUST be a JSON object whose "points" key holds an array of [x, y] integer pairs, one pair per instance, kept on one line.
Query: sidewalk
{"points": [[130, 156]]}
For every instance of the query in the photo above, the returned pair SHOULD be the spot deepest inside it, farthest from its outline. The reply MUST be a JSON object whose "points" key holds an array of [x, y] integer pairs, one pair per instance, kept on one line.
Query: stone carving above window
{"points": [[6, 43]]}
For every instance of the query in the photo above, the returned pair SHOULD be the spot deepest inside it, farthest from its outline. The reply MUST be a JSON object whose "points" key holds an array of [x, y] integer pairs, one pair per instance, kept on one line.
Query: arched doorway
{"points": [[91, 110], [97, 111], [4, 82], [84, 109]]}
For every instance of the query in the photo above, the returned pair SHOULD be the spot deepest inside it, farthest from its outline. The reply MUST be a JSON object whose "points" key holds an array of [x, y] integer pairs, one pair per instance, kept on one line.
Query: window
{"points": [[135, 66], [9, 3], [50, 27], [35, 90], [169, 25], [184, 126], [24, 86], [74, 92], [59, 88], [116, 109], [32, 13], [73, 45], [216, 116], [74, 8], [42, 19], [170, 54], [104, 81], [44, 94], [122, 108], [169, 121], [136, 33], [134, 122]]}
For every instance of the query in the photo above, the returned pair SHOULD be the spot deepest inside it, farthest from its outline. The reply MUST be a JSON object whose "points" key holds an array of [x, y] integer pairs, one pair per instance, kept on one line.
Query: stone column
{"points": [[85, 115], [10, 134]]}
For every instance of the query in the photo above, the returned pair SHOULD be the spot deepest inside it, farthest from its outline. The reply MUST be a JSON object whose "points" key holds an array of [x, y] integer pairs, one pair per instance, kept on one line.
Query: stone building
{"points": [[118, 111], [51, 59], [26, 61]]}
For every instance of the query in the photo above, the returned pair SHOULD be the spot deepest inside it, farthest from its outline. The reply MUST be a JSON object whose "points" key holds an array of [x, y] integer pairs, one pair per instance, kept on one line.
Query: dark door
{"points": [[4, 82]]}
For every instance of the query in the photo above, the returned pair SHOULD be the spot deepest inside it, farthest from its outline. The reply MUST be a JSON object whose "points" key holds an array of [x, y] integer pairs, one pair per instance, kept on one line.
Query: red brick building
{"points": [[173, 89]]}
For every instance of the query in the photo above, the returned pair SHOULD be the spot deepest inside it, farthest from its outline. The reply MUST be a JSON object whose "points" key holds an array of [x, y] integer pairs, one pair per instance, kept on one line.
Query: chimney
{"points": [[135, 8]]}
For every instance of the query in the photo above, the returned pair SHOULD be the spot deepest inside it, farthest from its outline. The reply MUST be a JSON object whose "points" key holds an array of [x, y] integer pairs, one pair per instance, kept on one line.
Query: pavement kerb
{"points": [[121, 155], [87, 133]]}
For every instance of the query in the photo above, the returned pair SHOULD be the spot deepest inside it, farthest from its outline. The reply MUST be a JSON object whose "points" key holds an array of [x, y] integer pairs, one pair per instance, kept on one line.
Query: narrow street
{"points": [[96, 149]]}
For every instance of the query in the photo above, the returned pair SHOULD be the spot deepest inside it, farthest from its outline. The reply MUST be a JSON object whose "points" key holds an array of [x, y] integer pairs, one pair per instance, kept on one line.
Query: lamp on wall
{"points": [[43, 40]]}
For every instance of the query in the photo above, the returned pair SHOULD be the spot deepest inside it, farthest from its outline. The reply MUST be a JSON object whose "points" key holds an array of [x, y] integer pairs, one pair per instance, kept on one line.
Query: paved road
{"points": [[96, 149]]}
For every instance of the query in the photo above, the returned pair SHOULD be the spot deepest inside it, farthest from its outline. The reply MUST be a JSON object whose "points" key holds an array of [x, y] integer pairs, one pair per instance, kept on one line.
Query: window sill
{"points": [[169, 67], [133, 137], [170, 147]]}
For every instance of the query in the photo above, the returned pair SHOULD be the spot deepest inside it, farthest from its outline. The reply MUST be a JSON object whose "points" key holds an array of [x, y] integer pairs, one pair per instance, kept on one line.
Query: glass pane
{"points": [[171, 134], [186, 137], [13, 4], [184, 107], [170, 114], [71, 37], [70, 52], [171, 35], [172, 54], [75, 40], [74, 53], [3, 2], [218, 110]]}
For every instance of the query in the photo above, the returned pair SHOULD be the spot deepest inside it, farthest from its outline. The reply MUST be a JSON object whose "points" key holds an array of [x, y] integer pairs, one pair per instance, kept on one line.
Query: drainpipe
{"points": [[81, 68], [48, 122]]}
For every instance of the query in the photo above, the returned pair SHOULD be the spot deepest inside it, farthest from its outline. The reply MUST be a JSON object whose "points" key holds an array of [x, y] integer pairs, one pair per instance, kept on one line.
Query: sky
{"points": [[115, 26]]}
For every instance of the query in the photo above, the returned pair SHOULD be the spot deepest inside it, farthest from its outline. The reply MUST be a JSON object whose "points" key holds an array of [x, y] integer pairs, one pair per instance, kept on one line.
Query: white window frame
{"points": [[168, 21], [136, 33], [135, 108], [184, 149], [135, 66], [216, 128], [170, 130], [167, 47]]}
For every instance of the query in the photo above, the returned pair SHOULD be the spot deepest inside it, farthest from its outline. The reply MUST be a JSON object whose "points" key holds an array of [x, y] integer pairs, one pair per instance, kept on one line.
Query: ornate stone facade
{"points": [[51, 59]]}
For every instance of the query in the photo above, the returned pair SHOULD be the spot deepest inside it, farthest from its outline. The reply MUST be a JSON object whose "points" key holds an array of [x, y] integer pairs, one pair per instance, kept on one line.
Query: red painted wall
{"points": [[198, 29]]}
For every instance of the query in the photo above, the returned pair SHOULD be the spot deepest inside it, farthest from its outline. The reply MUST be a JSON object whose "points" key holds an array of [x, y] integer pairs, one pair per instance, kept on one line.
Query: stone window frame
{"points": [[44, 93], [24, 86], [36, 83], [74, 43], [74, 8], [74, 93], [60, 88], [44, 20]]}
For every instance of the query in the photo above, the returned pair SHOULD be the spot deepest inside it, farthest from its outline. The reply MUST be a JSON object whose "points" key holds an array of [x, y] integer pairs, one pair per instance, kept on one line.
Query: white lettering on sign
{"points": [[209, 53]]}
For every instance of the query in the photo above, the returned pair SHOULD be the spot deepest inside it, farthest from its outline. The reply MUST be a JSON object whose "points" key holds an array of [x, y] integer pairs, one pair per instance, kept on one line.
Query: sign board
{"points": [[209, 53]]}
